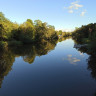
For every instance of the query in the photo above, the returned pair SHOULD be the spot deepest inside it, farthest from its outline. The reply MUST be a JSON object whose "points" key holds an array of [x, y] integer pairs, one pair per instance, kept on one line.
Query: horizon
{"points": [[64, 15]]}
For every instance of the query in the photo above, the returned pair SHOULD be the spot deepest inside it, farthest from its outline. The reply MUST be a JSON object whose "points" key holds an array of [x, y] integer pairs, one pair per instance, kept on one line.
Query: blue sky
{"points": [[63, 14]]}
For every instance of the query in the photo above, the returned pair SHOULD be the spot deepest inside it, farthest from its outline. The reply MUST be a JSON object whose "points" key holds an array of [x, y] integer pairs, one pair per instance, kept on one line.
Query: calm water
{"points": [[53, 70]]}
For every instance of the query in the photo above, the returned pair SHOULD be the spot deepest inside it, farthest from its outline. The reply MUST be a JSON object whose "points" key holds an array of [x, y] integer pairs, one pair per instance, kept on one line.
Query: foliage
{"points": [[28, 32], [87, 31]]}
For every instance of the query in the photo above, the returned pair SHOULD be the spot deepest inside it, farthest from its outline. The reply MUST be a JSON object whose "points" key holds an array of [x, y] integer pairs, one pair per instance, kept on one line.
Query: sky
{"points": [[63, 14]]}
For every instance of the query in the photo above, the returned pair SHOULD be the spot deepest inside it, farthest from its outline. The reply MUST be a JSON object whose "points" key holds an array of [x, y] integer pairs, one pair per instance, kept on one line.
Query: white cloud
{"points": [[83, 13], [75, 6]]}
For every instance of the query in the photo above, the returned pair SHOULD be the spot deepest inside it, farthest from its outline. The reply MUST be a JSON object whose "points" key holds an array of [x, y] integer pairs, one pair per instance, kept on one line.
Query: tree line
{"points": [[85, 34], [29, 32]]}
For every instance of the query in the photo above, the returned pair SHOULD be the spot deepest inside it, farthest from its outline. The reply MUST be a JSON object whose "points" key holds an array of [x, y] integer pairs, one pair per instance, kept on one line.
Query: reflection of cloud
{"points": [[72, 60], [81, 54], [69, 55]]}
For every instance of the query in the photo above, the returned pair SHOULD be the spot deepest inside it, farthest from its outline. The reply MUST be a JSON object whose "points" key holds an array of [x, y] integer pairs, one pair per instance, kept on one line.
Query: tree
{"points": [[60, 32]]}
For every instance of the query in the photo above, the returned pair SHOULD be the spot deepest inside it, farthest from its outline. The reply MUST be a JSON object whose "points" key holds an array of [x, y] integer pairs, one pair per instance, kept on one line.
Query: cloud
{"points": [[83, 13], [75, 6]]}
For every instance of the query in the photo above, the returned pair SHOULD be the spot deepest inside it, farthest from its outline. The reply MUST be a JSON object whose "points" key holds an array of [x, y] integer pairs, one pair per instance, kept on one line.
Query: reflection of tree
{"points": [[64, 38], [28, 53], [45, 47], [92, 65], [90, 50], [6, 62], [30, 57]]}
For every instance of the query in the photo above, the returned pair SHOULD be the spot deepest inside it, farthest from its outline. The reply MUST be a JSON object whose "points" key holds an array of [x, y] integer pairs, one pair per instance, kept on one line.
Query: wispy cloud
{"points": [[83, 13], [75, 6]]}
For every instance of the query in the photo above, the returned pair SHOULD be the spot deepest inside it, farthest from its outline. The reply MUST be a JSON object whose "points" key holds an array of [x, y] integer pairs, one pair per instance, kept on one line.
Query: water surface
{"points": [[49, 70]]}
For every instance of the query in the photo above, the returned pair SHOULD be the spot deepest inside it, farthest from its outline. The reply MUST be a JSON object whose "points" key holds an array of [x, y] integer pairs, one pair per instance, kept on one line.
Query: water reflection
{"points": [[27, 52], [72, 59], [92, 65], [64, 76], [91, 61], [6, 61], [91, 51]]}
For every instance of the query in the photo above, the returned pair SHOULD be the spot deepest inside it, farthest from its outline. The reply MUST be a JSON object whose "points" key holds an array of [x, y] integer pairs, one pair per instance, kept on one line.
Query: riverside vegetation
{"points": [[86, 35], [35, 32], [13, 34]]}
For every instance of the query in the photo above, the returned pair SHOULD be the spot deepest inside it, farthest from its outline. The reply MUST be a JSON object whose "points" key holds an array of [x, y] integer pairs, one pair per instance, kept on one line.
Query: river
{"points": [[54, 70]]}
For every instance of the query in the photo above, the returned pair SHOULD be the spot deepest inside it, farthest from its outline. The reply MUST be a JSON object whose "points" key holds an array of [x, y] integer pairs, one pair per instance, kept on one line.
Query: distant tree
{"points": [[60, 32]]}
